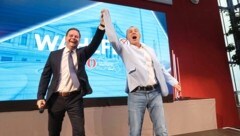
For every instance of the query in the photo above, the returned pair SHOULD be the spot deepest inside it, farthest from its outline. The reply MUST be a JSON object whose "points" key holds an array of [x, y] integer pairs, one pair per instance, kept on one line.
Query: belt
{"points": [[146, 88], [65, 94]]}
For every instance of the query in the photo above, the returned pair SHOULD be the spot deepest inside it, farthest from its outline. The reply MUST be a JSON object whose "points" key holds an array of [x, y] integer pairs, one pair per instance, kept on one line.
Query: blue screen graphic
{"points": [[23, 53]]}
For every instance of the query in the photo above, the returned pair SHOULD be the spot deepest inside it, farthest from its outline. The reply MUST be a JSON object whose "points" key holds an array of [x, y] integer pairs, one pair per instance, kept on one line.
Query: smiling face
{"points": [[72, 38], [133, 35]]}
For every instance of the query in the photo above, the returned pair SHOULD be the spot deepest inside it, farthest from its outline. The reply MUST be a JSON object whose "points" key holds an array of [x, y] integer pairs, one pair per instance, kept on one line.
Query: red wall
{"points": [[195, 35]]}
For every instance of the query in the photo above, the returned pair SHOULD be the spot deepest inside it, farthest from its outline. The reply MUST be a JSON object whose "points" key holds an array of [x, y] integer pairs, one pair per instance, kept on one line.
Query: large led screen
{"points": [[23, 53]]}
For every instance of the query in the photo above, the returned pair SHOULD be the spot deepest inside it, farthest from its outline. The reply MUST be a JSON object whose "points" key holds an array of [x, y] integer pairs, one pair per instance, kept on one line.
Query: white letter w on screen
{"points": [[46, 41]]}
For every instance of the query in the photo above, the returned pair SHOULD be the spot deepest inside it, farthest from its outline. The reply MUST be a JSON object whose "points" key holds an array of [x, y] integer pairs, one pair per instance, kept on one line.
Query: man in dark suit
{"points": [[65, 68]]}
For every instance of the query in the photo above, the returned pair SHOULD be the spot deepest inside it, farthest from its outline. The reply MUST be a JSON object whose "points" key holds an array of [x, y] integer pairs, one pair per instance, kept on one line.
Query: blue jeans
{"points": [[138, 101]]}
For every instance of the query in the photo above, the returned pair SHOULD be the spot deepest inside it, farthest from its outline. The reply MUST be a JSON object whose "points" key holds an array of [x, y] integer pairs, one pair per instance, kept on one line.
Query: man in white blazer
{"points": [[146, 79]]}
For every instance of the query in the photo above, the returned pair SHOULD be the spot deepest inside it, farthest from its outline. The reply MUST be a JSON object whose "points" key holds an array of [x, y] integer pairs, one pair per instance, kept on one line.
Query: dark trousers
{"points": [[57, 106]]}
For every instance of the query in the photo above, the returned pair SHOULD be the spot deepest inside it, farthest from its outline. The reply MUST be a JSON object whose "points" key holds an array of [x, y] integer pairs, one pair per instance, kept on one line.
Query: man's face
{"points": [[72, 39], [133, 35]]}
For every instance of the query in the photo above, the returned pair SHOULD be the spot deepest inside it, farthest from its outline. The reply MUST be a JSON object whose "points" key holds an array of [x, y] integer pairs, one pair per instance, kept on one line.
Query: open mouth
{"points": [[134, 37], [73, 41]]}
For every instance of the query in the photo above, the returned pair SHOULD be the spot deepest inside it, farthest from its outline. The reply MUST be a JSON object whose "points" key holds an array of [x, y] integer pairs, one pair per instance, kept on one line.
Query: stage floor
{"points": [[182, 117], [215, 132]]}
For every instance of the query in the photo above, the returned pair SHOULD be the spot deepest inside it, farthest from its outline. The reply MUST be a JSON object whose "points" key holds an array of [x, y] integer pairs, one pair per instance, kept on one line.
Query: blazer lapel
{"points": [[58, 58]]}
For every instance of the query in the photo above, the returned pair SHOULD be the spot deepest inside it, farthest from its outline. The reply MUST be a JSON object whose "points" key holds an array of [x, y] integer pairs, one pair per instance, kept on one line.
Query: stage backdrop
{"points": [[24, 48]]}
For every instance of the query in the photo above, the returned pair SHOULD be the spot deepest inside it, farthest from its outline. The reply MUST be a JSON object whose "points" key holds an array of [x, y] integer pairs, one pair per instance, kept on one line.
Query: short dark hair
{"points": [[73, 28]]}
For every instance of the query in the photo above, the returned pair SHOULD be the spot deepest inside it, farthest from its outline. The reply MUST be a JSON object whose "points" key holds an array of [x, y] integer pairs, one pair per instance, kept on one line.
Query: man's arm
{"points": [[45, 79], [43, 84], [171, 80], [110, 31], [92, 47]]}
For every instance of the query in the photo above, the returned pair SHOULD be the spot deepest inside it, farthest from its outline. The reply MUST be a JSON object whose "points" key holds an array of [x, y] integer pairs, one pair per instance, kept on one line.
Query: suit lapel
{"points": [[58, 58]]}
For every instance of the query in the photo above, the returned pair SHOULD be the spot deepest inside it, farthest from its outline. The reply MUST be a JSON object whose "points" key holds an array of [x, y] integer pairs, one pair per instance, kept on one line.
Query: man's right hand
{"points": [[41, 103]]}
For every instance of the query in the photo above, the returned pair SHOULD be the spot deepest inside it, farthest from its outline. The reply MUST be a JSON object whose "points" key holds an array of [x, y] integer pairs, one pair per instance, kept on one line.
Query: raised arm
{"points": [[94, 44], [110, 31]]}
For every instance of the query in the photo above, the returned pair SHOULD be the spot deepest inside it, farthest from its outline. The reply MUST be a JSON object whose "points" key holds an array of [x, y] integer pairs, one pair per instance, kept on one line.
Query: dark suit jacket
{"points": [[51, 71]]}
